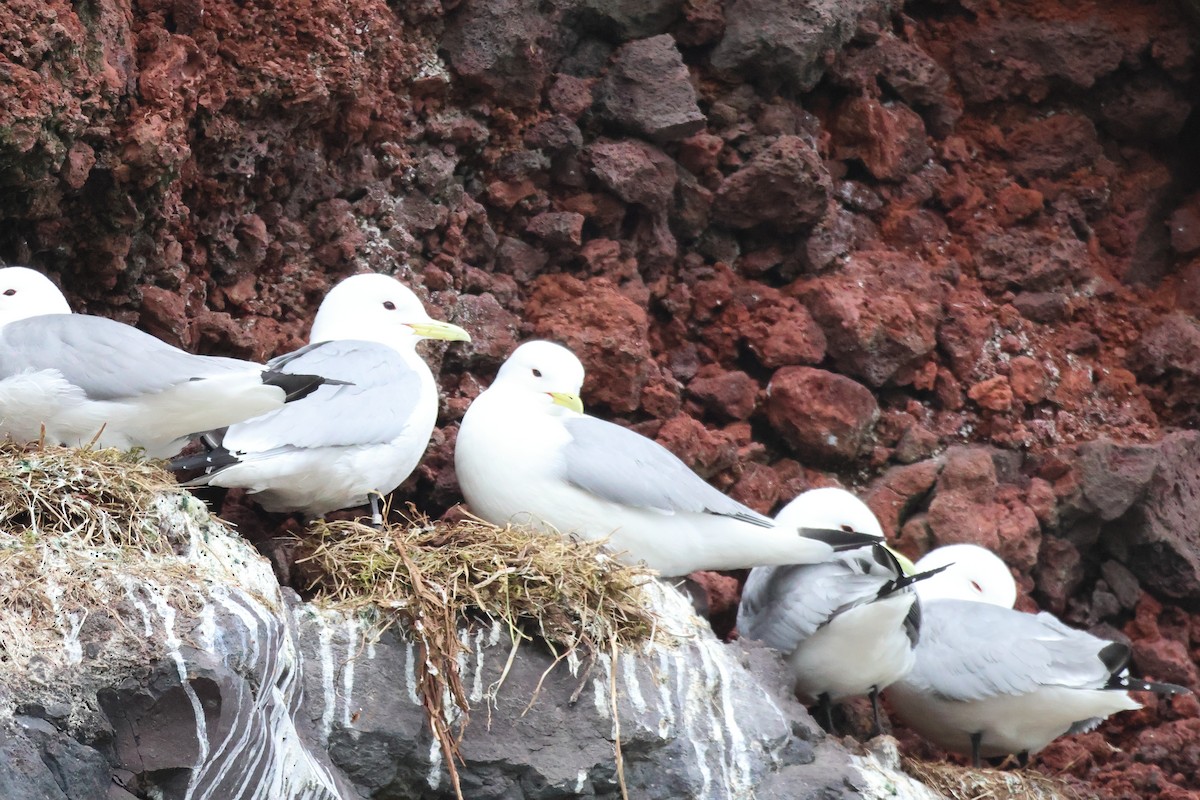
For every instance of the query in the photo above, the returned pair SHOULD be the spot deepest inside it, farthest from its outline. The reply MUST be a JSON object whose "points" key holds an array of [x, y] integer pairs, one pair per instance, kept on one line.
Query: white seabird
{"points": [[846, 626], [342, 445], [991, 681], [527, 454], [85, 378]]}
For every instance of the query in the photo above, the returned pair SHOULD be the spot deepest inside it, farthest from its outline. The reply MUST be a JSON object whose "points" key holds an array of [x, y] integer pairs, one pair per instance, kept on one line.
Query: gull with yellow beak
{"points": [[343, 445], [527, 454], [846, 627]]}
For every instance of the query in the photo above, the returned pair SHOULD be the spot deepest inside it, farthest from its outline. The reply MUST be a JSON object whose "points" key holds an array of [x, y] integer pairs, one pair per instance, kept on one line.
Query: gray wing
{"points": [[972, 651], [627, 468], [783, 606], [107, 359], [373, 407]]}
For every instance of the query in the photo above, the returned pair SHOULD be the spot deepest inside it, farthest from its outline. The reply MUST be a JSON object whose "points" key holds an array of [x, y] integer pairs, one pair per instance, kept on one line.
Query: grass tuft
{"points": [[965, 783], [431, 576]]}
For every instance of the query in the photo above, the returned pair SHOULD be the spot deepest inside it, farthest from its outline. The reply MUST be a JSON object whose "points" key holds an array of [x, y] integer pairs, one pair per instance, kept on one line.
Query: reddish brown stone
{"points": [[880, 312], [784, 334], [821, 415], [888, 139], [1028, 380], [604, 328], [558, 228], [786, 188], [729, 394], [994, 394], [705, 450]]}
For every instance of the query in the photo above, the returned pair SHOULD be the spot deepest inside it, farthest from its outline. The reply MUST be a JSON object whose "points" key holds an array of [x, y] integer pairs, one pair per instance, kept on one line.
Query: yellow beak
{"points": [[565, 400], [906, 564], [435, 329]]}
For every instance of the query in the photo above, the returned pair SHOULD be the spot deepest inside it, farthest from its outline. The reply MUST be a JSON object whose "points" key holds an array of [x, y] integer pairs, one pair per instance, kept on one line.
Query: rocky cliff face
{"points": [[947, 252]]}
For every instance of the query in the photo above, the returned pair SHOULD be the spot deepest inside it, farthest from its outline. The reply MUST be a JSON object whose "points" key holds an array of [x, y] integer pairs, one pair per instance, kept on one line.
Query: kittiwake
{"points": [[527, 454], [342, 446], [991, 681], [83, 378], [846, 626]]}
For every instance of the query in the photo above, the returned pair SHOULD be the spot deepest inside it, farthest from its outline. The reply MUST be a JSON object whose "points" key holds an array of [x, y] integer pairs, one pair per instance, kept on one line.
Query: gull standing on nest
{"points": [[345, 445], [847, 626], [527, 454], [83, 378], [992, 681]]}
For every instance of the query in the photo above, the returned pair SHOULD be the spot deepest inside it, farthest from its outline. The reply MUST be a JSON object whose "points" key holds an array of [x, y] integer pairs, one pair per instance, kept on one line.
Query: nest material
{"points": [[432, 576], [965, 783], [99, 497]]}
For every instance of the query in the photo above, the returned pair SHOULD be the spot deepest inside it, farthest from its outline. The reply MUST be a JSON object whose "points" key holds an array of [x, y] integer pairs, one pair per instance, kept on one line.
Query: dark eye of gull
{"points": [[9, 292], [389, 305], [848, 528], [975, 585], [537, 373]]}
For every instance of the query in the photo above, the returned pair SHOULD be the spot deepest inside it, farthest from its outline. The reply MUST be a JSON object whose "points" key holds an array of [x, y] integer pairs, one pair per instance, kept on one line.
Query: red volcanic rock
{"points": [[495, 331], [1166, 660], [703, 23], [499, 46], [784, 334], [704, 450], [759, 487], [729, 394], [607, 330], [1185, 227], [955, 517], [1058, 574], [994, 394], [1028, 380], [888, 139], [821, 415], [787, 45], [1172, 345], [1053, 146], [880, 313], [647, 91], [895, 494], [969, 469], [1032, 261], [635, 171], [570, 95], [1161, 543], [164, 315], [1114, 476], [557, 228], [721, 594], [1016, 203], [1020, 55], [786, 188], [967, 326]]}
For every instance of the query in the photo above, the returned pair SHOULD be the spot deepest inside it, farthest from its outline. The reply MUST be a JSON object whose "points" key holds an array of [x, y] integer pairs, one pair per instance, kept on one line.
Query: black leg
{"points": [[376, 515], [874, 695], [976, 740], [1023, 759], [826, 708]]}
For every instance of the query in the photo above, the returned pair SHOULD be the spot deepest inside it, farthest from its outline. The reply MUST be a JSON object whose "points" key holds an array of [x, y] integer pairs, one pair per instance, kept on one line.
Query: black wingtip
{"points": [[206, 463], [297, 387], [1139, 685], [904, 581], [840, 540]]}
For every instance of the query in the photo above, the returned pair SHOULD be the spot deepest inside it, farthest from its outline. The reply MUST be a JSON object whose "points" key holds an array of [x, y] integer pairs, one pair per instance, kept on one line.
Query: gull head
{"points": [[379, 308], [830, 508], [542, 373], [26, 292], [974, 573]]}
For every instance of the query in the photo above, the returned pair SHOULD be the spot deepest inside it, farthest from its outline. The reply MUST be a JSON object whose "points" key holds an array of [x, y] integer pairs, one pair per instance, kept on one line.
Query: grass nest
{"points": [[434, 576], [965, 783], [75, 525], [98, 497]]}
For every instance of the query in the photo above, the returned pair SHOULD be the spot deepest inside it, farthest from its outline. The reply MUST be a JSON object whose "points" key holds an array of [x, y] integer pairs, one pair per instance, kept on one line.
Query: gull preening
{"points": [[83, 378], [527, 454], [343, 445], [991, 681], [847, 626]]}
